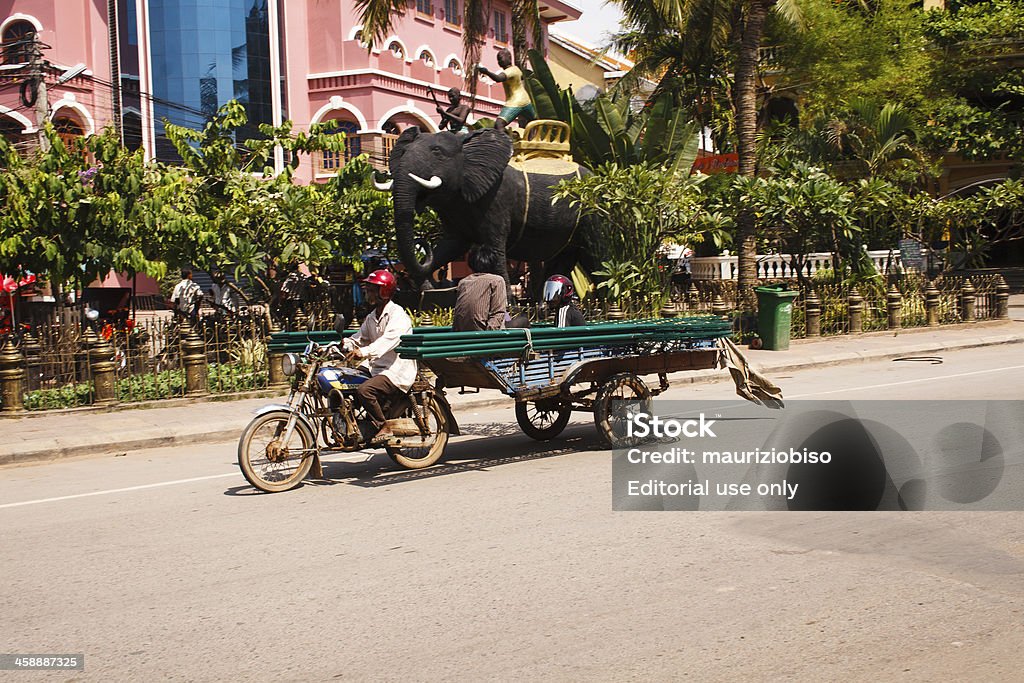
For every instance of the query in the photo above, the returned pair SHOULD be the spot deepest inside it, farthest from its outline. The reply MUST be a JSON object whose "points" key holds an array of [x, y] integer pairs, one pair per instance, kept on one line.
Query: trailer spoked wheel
{"points": [[542, 420], [618, 398]]}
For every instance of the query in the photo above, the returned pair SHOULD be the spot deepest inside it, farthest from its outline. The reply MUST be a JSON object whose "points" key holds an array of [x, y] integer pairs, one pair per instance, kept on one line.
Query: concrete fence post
{"points": [[812, 308], [894, 304], [718, 306], [1002, 298], [856, 304], [968, 296], [101, 367], [692, 297], [275, 371], [931, 304], [193, 356], [12, 377]]}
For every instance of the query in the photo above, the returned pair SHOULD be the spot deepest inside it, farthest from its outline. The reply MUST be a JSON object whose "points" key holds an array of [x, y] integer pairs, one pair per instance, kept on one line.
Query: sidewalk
{"points": [[52, 435]]}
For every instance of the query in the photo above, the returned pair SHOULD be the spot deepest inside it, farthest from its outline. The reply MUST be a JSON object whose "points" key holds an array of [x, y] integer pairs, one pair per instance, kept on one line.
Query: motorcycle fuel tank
{"points": [[341, 379]]}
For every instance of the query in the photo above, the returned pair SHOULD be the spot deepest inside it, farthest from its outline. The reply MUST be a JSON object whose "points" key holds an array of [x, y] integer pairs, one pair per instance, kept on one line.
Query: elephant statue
{"points": [[480, 199]]}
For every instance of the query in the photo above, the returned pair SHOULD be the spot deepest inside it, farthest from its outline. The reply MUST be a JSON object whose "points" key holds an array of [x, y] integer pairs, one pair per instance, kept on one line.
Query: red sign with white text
{"points": [[717, 163]]}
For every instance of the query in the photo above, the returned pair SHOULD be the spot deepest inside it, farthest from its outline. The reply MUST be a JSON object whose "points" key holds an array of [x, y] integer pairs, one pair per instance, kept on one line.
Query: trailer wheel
{"points": [[542, 421], [619, 397]]}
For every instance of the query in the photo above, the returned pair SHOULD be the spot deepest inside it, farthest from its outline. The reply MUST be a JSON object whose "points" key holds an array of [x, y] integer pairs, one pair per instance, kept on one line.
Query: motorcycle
{"points": [[283, 443]]}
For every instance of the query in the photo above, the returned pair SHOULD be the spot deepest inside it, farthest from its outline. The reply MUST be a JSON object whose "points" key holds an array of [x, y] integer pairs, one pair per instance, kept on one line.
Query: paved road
{"points": [[505, 563]]}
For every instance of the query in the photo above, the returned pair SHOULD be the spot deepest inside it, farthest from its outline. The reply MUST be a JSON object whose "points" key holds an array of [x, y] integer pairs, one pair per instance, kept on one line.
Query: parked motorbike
{"points": [[283, 443]]}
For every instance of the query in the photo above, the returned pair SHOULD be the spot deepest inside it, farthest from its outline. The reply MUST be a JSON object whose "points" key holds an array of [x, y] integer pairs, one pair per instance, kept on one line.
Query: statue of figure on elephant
{"points": [[484, 196]]}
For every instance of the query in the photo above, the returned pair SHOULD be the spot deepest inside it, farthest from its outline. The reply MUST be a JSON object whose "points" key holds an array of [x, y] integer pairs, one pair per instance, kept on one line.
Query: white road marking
{"points": [[909, 381], [129, 488], [346, 457]]}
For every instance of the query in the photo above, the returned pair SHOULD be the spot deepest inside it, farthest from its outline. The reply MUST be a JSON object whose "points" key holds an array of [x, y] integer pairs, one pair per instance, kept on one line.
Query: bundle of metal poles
{"points": [[424, 343]]}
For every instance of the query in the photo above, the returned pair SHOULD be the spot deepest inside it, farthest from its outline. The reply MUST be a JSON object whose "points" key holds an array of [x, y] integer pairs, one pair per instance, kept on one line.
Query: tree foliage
{"points": [[849, 52], [76, 213], [974, 225], [640, 207]]}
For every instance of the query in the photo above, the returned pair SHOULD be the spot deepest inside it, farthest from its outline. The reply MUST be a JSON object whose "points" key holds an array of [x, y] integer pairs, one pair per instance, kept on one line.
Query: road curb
{"points": [[697, 377], [163, 441]]}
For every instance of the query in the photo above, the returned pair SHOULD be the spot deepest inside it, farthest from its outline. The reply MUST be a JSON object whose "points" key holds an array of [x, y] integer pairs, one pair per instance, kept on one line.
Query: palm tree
{"points": [[868, 141], [378, 18], [679, 39]]}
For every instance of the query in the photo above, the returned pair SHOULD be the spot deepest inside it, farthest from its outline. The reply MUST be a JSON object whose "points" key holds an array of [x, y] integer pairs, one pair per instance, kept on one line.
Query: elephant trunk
{"points": [[404, 198]]}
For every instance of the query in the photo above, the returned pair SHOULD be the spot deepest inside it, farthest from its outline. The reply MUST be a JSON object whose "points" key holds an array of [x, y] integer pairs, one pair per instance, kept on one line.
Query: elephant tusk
{"points": [[383, 187], [431, 184]]}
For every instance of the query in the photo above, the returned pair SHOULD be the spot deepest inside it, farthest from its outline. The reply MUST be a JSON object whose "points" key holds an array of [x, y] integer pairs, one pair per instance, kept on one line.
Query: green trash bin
{"points": [[774, 316]]}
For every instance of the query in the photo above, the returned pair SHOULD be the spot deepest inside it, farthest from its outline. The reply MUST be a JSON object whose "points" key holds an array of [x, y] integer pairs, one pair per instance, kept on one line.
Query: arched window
{"points": [[18, 40], [331, 161], [11, 130], [426, 58], [396, 49], [69, 131], [454, 65]]}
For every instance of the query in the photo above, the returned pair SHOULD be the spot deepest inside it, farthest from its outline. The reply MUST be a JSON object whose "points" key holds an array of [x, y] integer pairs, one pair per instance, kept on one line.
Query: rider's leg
{"points": [[373, 393]]}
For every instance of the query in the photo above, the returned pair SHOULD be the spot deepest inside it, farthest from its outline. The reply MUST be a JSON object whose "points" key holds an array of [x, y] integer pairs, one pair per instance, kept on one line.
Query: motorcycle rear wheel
{"points": [[270, 465], [418, 457]]}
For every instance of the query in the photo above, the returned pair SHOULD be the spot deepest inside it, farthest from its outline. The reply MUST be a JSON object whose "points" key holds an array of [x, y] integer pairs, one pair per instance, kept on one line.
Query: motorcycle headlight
{"points": [[289, 363]]}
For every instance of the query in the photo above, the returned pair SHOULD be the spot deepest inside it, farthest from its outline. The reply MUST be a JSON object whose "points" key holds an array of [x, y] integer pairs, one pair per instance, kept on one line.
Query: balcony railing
{"points": [[768, 56], [780, 266]]}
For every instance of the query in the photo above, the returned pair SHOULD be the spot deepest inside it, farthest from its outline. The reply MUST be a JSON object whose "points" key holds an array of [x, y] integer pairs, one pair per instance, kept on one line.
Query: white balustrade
{"points": [[780, 266]]}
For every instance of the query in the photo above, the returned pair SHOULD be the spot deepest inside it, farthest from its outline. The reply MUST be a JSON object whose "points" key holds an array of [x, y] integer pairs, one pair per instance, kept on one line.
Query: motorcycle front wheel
{"points": [[266, 461], [417, 453]]}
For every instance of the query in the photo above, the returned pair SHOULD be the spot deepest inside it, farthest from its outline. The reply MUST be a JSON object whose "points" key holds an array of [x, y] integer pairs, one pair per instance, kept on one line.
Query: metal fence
{"points": [[147, 356], [57, 369]]}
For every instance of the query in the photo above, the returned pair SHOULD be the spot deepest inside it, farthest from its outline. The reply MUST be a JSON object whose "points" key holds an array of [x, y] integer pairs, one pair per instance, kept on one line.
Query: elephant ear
{"points": [[485, 156], [407, 136]]}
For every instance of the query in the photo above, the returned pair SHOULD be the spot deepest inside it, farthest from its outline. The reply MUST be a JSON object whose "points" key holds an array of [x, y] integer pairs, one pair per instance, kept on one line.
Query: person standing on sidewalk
{"points": [[186, 297], [374, 346], [225, 295]]}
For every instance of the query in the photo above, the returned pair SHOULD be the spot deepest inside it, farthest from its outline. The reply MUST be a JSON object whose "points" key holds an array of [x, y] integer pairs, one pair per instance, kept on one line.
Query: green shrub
{"points": [[68, 396], [152, 386], [227, 378]]}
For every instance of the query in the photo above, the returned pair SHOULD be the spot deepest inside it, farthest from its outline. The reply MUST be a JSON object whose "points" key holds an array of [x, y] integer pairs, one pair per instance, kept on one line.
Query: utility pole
{"points": [[42, 104]]}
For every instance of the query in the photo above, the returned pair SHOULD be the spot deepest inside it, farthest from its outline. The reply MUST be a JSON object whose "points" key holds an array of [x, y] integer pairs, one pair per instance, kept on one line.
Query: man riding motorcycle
{"points": [[374, 345]]}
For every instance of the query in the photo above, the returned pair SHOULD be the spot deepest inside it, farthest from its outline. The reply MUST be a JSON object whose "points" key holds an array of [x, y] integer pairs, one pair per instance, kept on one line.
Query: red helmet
{"points": [[558, 289], [383, 279]]}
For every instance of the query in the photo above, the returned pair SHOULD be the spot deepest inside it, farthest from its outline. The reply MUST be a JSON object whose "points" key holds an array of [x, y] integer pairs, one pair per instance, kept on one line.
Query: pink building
{"points": [[301, 60]]}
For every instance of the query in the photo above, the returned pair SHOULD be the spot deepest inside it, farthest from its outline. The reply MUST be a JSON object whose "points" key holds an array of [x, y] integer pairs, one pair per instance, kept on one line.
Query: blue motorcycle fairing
{"points": [[339, 378]]}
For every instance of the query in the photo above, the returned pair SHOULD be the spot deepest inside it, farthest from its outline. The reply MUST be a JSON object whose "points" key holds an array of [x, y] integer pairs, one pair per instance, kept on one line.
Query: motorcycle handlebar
{"points": [[332, 350]]}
